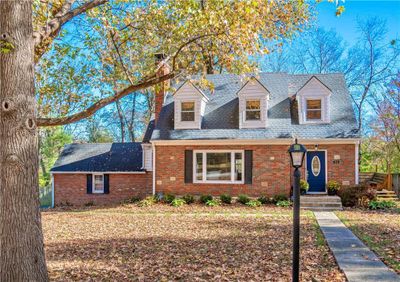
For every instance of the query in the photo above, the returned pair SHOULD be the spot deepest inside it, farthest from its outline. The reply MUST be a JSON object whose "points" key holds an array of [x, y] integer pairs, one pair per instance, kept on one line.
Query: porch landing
{"points": [[320, 203]]}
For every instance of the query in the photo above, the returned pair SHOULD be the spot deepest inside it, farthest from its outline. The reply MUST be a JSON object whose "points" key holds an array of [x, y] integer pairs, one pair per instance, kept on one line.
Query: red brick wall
{"points": [[71, 188], [271, 170]]}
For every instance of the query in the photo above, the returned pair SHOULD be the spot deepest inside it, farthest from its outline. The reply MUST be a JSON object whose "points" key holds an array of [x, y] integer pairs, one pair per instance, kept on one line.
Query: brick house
{"points": [[230, 138]]}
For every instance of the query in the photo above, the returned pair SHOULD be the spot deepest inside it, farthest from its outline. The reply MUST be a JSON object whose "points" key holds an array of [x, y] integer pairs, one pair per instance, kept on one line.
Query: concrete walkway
{"points": [[356, 260]]}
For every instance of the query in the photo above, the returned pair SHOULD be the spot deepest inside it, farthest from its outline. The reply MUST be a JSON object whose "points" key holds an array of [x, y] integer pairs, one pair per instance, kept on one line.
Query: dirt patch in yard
{"points": [[191, 243]]}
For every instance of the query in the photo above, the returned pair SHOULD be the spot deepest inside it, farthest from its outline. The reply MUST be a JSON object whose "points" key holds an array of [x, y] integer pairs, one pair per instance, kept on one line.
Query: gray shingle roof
{"points": [[221, 117], [100, 157]]}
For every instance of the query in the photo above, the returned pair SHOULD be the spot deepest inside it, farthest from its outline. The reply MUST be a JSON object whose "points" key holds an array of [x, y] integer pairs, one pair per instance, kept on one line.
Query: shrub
{"points": [[279, 197], [205, 198], [168, 198], [253, 203], [189, 199], [304, 186], [381, 205], [284, 203], [89, 204], [178, 202], [243, 199], [226, 199], [133, 200], [359, 195], [333, 187], [148, 201], [213, 203], [264, 200]]}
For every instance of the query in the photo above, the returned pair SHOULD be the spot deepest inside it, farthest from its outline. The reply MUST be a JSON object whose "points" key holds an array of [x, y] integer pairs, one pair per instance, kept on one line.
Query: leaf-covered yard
{"points": [[378, 230], [191, 243]]}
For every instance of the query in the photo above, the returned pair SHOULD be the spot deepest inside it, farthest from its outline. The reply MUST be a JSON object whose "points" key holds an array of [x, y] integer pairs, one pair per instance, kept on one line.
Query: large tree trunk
{"points": [[21, 240]]}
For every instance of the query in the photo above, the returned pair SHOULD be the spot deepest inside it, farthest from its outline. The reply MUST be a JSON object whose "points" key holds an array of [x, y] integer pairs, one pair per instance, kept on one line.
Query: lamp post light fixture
{"points": [[297, 153]]}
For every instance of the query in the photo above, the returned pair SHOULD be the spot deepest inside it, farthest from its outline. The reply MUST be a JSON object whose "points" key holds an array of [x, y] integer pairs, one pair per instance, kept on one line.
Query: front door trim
{"points": [[326, 170]]}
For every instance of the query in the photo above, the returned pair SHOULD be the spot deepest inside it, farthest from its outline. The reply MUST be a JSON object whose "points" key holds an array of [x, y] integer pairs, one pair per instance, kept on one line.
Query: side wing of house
{"points": [[101, 174]]}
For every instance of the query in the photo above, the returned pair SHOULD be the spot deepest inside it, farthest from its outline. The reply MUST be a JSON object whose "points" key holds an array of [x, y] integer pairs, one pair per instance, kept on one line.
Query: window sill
{"points": [[218, 182]]}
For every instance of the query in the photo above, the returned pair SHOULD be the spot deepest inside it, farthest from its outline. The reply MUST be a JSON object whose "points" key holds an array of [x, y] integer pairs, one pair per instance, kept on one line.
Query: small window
{"points": [[98, 183], [253, 110], [315, 166], [187, 111], [314, 110]]}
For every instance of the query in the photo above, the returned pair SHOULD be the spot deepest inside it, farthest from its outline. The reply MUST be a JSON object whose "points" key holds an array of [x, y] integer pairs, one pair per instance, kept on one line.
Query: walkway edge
{"points": [[354, 258]]}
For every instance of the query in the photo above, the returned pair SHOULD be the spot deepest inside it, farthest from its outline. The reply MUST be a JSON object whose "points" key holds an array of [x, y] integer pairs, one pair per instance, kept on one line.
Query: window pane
{"points": [[218, 166], [187, 116], [314, 114], [199, 166], [253, 115], [187, 106], [253, 105], [238, 166], [313, 104], [98, 183]]}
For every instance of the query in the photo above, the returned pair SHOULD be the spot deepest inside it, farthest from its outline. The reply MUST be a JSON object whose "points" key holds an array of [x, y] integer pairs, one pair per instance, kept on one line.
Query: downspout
{"points": [[357, 156], [52, 190], [153, 146]]}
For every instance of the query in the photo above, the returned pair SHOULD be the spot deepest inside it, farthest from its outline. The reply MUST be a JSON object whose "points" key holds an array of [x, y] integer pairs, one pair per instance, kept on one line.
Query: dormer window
{"points": [[314, 102], [314, 109], [187, 111], [189, 106], [253, 104], [253, 110]]}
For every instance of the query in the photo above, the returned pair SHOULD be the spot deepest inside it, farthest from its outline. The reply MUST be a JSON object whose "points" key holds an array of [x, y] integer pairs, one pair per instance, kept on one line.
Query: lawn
{"points": [[379, 230], [191, 243]]}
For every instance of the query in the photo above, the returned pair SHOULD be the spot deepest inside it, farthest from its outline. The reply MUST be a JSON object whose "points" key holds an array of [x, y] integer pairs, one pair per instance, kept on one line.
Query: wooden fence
{"points": [[45, 195]]}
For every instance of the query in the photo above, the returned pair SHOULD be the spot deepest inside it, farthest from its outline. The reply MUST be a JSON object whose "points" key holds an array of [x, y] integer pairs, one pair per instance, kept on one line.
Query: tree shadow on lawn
{"points": [[260, 252]]}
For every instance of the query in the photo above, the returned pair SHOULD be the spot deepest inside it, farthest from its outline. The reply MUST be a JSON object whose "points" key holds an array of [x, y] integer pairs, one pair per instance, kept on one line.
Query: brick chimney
{"points": [[160, 88]]}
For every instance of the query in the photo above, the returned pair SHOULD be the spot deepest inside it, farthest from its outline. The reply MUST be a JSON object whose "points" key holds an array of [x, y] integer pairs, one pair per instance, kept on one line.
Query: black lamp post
{"points": [[297, 153]]}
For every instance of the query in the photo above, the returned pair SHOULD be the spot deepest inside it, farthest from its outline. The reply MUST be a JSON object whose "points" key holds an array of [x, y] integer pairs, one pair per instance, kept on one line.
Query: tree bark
{"points": [[21, 240]]}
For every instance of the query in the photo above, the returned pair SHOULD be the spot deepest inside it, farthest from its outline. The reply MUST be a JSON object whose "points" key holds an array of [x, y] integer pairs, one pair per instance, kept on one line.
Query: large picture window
{"points": [[218, 166], [314, 110]]}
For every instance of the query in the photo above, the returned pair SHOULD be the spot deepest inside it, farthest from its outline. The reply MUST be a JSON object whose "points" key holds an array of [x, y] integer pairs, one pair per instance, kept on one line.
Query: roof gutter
{"points": [[103, 172], [281, 141]]}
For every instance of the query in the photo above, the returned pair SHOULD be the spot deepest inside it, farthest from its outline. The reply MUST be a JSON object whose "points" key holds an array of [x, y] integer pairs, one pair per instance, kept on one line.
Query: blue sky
{"points": [[346, 26]]}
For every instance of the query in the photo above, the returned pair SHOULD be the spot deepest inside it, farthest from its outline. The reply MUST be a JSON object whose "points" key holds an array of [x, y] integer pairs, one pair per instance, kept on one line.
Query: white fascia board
{"points": [[283, 141], [100, 172]]}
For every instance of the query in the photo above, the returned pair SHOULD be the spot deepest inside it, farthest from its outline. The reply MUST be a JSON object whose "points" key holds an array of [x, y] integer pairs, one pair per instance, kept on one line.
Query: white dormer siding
{"points": [[184, 97], [147, 157], [314, 102], [253, 105]]}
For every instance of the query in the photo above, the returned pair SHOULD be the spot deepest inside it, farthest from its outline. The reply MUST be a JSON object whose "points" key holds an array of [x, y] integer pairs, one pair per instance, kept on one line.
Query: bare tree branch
{"points": [[104, 102]]}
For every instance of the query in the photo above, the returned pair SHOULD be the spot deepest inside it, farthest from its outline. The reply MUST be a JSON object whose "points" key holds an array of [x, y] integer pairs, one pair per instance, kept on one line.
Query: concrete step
{"points": [[322, 208], [321, 203], [315, 199]]}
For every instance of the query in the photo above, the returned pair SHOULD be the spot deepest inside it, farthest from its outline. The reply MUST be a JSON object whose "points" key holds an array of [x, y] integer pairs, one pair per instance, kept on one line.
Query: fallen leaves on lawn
{"points": [[191, 243]]}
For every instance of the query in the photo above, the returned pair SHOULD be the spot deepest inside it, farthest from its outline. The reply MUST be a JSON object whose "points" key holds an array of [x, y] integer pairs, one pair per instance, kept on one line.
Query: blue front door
{"points": [[316, 171]]}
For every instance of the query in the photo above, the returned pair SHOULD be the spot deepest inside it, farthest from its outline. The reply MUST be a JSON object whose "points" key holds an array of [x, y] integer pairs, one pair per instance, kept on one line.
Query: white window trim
{"points": [[252, 110], [194, 111], [93, 183], [204, 170], [321, 110]]}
